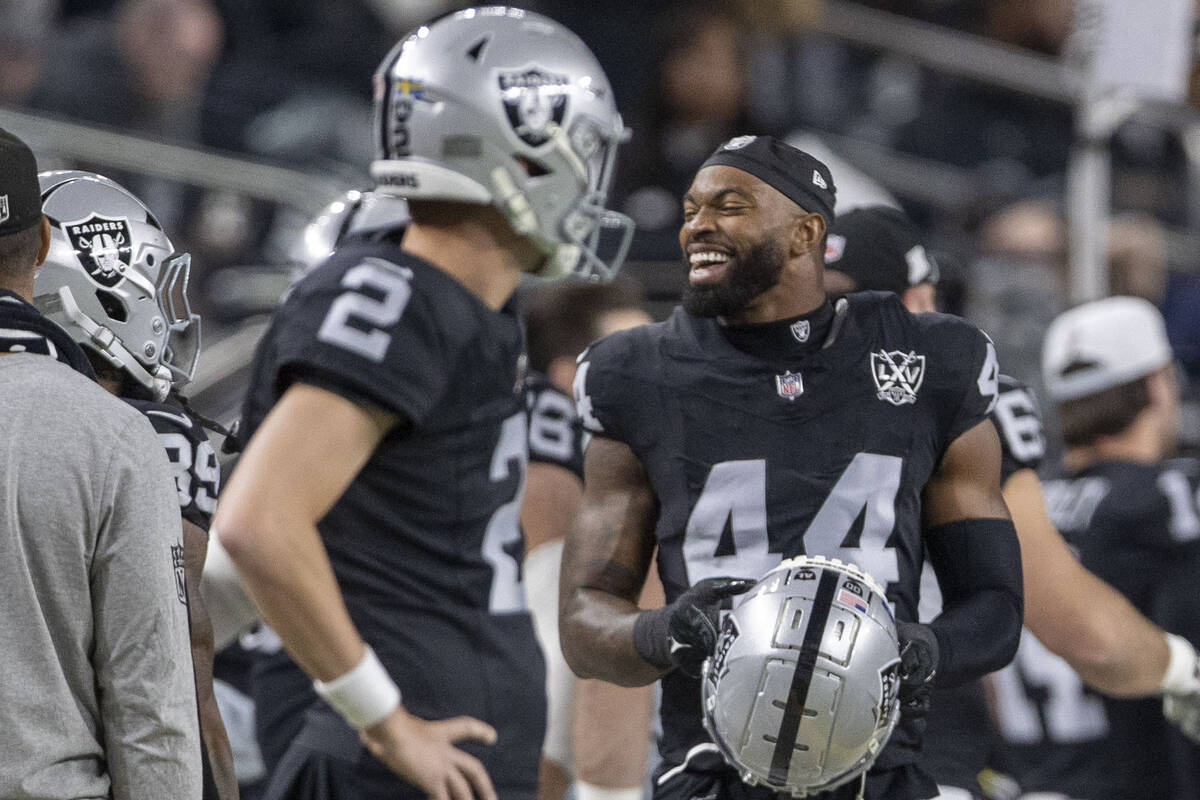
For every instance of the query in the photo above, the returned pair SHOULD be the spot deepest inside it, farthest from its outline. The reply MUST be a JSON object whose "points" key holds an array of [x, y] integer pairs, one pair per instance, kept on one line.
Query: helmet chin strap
{"points": [[109, 346]]}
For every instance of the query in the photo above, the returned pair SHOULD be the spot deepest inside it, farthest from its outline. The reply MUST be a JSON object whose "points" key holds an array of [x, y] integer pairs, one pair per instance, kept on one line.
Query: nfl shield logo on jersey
{"points": [[897, 375], [789, 385]]}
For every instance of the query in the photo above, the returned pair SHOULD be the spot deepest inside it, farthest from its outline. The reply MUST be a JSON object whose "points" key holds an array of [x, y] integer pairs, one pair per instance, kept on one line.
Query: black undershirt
{"points": [[783, 339]]}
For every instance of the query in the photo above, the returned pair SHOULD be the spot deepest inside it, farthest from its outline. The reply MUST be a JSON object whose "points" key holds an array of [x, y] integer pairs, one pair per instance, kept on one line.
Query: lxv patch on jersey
{"points": [[897, 375]]}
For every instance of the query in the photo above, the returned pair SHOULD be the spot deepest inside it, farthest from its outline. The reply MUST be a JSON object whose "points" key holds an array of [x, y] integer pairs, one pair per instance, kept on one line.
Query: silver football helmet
{"points": [[115, 282], [801, 692], [505, 107], [352, 214]]}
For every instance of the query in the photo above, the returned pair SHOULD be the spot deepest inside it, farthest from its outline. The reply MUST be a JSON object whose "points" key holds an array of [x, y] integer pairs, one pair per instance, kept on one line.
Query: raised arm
{"points": [[605, 560], [974, 552], [1075, 614]]}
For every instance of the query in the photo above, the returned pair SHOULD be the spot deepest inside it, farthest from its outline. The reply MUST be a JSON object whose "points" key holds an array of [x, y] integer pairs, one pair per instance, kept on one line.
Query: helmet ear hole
{"points": [[113, 306], [533, 168]]}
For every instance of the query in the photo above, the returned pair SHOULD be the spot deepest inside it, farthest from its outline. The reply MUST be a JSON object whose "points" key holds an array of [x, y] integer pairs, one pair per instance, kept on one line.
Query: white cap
{"points": [[1111, 342]]}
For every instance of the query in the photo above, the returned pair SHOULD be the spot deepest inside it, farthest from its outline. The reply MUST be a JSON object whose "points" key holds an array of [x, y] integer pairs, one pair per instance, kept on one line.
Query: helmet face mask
{"points": [[801, 694], [505, 107], [115, 282]]}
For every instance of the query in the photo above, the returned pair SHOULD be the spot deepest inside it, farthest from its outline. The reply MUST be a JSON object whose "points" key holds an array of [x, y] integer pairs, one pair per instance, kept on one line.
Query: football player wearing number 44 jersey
{"points": [[373, 515], [761, 422]]}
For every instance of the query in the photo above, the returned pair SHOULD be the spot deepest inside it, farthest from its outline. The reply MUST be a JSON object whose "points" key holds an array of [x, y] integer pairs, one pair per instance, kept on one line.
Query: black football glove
{"points": [[918, 665], [684, 633]]}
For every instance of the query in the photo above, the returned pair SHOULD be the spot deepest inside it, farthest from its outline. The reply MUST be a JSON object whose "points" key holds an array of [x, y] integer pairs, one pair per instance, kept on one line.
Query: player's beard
{"points": [[754, 274]]}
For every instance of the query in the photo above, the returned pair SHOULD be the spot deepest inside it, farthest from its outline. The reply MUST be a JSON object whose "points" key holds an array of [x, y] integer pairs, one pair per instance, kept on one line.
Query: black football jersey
{"points": [[556, 435], [753, 461], [1135, 526], [961, 738], [197, 473], [425, 541]]}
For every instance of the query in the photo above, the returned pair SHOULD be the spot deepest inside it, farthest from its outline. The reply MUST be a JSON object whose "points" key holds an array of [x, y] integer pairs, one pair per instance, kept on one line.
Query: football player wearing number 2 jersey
{"points": [[761, 422], [373, 515]]}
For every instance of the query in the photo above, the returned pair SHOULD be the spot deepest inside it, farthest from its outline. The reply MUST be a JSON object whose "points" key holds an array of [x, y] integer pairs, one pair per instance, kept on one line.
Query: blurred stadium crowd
{"points": [[981, 167]]}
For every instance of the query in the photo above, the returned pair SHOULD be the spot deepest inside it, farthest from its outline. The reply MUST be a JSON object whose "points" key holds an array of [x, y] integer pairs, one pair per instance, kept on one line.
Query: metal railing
{"points": [[951, 52], [307, 192]]}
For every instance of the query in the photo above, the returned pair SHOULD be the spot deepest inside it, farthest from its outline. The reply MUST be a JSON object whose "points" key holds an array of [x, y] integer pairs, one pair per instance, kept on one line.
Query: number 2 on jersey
{"points": [[727, 530], [390, 291]]}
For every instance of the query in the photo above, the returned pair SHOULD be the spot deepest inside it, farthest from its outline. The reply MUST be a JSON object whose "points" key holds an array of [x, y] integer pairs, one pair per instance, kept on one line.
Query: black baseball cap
{"points": [[802, 178], [880, 249], [20, 195]]}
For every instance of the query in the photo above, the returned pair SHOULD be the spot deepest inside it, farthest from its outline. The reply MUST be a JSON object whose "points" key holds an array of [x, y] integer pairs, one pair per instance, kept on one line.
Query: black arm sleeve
{"points": [[978, 566]]}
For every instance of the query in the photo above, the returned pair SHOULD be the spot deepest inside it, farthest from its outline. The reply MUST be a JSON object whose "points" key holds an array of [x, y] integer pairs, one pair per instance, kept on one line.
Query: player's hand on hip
{"points": [[423, 752], [684, 633]]}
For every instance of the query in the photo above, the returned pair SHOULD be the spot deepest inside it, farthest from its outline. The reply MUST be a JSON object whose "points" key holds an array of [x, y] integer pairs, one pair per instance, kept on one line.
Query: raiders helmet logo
{"points": [[533, 99], [103, 246], [3, 208], [897, 375]]}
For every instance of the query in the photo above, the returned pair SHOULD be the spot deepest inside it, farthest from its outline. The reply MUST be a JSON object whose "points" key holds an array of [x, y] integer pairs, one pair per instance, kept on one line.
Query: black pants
{"points": [[327, 761]]}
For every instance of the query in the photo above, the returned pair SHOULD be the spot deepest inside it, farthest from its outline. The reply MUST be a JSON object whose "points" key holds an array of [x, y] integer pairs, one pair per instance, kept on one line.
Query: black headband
{"points": [[798, 176]]}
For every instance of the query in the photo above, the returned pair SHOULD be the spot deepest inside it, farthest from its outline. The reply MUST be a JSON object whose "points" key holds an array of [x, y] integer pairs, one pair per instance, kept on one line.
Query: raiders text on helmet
{"points": [[113, 280], [801, 693], [505, 107]]}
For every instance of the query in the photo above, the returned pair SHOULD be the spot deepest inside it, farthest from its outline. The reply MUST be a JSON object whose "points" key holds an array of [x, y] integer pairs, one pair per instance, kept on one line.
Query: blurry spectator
{"points": [[1012, 137], [142, 69], [24, 26], [1018, 284], [702, 78]]}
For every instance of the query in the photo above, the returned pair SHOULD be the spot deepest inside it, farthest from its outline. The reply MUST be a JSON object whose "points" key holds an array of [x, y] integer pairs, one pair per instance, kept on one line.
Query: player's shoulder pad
{"points": [[614, 374], [1018, 421], [625, 351], [168, 418]]}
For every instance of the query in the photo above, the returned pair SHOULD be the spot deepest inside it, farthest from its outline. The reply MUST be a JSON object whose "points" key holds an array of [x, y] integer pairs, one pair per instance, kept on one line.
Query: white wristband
{"points": [[1182, 670], [365, 695], [590, 791]]}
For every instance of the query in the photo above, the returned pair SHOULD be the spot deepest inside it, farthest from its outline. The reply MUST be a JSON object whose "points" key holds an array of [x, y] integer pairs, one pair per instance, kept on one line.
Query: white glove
{"points": [[1181, 687]]}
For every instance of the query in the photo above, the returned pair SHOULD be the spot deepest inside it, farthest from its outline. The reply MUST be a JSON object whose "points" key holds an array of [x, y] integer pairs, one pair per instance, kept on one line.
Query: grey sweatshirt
{"points": [[96, 693]]}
